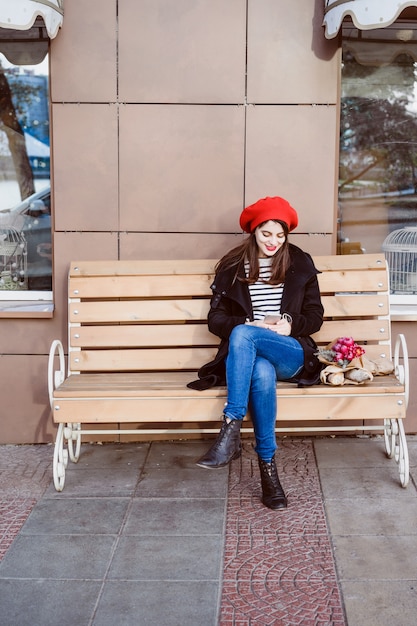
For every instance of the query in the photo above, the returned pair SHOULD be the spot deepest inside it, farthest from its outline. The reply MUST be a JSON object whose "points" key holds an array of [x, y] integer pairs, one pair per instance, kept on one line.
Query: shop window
{"points": [[25, 195], [378, 146]]}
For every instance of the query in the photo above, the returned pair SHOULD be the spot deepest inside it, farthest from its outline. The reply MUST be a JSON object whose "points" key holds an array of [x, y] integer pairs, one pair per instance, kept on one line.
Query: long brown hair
{"points": [[248, 251]]}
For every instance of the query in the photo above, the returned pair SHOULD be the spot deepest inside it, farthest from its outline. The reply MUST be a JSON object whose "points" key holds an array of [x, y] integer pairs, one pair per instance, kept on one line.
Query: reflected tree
{"points": [[10, 124], [378, 125]]}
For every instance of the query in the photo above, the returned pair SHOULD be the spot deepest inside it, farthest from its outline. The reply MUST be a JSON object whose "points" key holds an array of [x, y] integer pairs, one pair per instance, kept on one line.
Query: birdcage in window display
{"points": [[13, 259], [400, 249]]}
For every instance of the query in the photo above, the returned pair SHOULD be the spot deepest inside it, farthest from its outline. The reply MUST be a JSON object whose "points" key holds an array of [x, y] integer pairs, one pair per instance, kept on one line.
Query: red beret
{"points": [[268, 209]]}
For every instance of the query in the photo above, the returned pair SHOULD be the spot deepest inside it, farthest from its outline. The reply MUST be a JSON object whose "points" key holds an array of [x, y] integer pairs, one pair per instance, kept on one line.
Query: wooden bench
{"points": [[138, 334]]}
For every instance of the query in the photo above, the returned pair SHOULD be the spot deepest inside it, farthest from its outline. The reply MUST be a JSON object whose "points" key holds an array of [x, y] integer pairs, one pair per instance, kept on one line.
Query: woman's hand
{"points": [[259, 323], [282, 327]]}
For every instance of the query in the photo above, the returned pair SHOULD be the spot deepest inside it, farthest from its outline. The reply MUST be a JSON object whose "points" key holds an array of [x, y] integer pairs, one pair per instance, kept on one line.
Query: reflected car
{"points": [[32, 219]]}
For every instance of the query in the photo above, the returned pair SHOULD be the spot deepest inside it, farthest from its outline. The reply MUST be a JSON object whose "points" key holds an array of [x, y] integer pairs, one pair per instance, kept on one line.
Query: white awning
{"points": [[365, 14], [21, 14]]}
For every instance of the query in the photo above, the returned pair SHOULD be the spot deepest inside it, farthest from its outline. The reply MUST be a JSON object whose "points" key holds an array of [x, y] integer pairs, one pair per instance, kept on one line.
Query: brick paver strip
{"points": [[25, 472], [13, 514], [278, 565]]}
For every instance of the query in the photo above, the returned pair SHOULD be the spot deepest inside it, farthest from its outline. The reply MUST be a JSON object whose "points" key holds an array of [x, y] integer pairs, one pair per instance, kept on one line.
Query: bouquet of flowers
{"points": [[345, 363], [342, 352]]}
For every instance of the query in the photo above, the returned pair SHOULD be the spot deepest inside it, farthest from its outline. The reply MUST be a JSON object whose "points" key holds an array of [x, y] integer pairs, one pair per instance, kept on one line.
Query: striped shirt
{"points": [[266, 299]]}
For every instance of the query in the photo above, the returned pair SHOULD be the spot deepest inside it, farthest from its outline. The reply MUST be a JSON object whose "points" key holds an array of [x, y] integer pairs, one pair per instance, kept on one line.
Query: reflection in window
{"points": [[378, 137], [25, 200]]}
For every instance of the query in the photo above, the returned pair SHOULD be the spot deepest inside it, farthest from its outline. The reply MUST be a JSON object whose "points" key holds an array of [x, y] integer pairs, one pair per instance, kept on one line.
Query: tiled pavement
{"points": [[140, 535]]}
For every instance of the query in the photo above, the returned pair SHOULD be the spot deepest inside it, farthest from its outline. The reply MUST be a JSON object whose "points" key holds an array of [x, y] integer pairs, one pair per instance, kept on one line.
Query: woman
{"points": [[265, 305]]}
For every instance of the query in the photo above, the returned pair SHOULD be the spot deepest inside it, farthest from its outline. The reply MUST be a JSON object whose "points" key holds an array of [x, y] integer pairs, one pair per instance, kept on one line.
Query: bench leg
{"points": [[401, 455], [60, 460], [73, 434], [396, 447]]}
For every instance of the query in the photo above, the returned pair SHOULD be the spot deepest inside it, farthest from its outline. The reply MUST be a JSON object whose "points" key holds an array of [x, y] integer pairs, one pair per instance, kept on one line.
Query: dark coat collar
{"points": [[300, 271]]}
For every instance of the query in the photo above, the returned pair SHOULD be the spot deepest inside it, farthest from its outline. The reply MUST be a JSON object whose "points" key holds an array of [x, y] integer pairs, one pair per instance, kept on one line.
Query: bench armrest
{"points": [[401, 366], [55, 377]]}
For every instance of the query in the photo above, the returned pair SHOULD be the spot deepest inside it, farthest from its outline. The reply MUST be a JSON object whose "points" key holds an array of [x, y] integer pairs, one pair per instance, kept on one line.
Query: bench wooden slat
{"points": [[137, 311], [149, 410], [175, 335], [173, 384], [357, 281], [335, 263], [140, 286], [162, 359], [205, 409], [352, 305], [178, 310], [204, 266], [142, 267], [346, 306], [144, 359], [361, 330], [192, 285], [145, 335], [146, 404]]}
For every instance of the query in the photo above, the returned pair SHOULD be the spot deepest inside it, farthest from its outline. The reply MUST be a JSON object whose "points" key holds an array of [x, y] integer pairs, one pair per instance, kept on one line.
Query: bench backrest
{"points": [[152, 315]]}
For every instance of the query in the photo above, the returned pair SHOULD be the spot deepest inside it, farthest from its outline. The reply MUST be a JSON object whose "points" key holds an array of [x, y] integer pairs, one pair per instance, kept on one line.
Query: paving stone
{"points": [[380, 602], [183, 482], [101, 516], [412, 450], [117, 456], [365, 482], [375, 558], [187, 558], [185, 454], [159, 516], [58, 557], [348, 452], [92, 482], [372, 516], [47, 602], [165, 603]]}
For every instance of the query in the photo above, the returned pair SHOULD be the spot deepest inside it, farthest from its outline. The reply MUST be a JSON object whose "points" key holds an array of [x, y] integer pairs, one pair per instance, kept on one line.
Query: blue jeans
{"points": [[257, 358]]}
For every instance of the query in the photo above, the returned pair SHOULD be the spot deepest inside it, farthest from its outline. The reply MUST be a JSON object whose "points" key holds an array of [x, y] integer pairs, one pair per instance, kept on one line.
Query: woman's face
{"points": [[269, 236]]}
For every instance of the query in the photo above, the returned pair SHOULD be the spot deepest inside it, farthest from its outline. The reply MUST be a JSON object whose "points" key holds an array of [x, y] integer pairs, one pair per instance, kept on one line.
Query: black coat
{"points": [[231, 305]]}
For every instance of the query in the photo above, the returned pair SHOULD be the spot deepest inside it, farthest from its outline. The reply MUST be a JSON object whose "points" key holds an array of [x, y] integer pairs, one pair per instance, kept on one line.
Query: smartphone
{"points": [[272, 319]]}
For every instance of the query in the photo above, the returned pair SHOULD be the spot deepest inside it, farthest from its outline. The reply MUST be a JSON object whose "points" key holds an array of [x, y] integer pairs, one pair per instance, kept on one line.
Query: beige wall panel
{"points": [[176, 246], [317, 245], [27, 335], [84, 54], [202, 246], [26, 417], [182, 51], [410, 423], [72, 247], [181, 168], [85, 165], [291, 152], [408, 329], [289, 59]]}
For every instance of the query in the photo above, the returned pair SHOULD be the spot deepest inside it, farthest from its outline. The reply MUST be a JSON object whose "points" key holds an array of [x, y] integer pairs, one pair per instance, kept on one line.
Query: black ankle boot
{"points": [[273, 495], [226, 447]]}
